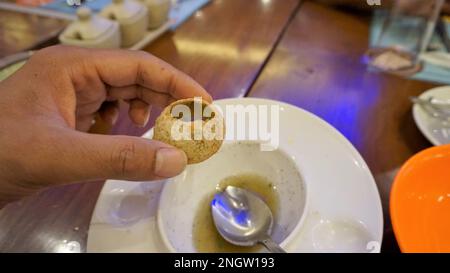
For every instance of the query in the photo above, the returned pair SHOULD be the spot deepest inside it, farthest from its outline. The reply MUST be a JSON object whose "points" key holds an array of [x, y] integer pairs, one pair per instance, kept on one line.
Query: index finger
{"points": [[121, 68]]}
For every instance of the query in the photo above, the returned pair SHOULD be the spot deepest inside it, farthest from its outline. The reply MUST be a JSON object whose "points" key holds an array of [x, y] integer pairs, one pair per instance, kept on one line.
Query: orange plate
{"points": [[420, 202]]}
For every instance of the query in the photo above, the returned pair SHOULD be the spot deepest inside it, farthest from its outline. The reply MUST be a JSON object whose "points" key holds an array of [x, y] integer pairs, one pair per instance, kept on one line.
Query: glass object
{"points": [[404, 34]]}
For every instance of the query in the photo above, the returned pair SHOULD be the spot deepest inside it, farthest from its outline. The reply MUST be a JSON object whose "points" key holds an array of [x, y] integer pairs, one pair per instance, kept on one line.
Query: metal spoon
{"points": [[242, 218], [435, 108]]}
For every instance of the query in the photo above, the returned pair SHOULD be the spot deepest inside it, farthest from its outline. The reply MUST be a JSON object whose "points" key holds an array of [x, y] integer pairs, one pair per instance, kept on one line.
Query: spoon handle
{"points": [[271, 245]]}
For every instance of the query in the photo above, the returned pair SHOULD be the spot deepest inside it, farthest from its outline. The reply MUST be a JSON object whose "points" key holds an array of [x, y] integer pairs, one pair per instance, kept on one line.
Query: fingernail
{"points": [[169, 162], [115, 117], [146, 119]]}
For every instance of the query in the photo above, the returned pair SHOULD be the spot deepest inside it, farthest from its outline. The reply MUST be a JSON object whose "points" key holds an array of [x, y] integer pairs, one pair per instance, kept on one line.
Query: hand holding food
{"points": [[194, 126], [47, 106]]}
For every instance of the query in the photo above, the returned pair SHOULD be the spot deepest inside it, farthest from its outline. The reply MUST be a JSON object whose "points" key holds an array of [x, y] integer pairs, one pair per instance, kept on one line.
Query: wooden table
{"points": [[305, 54], [20, 32], [318, 66]]}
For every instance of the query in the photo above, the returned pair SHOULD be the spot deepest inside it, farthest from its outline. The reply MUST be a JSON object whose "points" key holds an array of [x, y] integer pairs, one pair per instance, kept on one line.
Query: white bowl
{"points": [[182, 196]]}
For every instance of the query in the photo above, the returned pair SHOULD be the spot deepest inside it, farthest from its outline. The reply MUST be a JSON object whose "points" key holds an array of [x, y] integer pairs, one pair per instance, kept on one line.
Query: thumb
{"points": [[94, 156]]}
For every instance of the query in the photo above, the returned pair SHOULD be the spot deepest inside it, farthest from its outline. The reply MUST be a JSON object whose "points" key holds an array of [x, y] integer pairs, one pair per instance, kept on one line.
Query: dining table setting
{"points": [[366, 143]]}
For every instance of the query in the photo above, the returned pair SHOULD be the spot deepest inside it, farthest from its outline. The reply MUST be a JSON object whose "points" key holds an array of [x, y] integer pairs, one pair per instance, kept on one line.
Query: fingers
{"points": [[139, 112], [121, 68], [141, 101], [90, 156], [137, 92], [86, 68], [96, 75], [84, 123], [109, 112]]}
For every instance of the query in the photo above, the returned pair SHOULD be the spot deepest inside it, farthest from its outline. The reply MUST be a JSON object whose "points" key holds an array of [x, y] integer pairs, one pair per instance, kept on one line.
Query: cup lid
{"points": [[123, 10], [88, 26]]}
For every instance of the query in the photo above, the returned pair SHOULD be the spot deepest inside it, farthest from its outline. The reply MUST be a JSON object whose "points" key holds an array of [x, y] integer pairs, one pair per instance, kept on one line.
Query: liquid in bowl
{"points": [[182, 196]]}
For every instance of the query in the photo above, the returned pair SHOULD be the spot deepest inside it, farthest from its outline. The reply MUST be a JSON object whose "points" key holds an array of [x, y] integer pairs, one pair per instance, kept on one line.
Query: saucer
{"points": [[435, 130], [344, 209]]}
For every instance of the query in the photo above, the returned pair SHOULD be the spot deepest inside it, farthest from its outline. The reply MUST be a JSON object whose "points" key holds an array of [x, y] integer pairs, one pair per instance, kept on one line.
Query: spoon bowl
{"points": [[243, 218]]}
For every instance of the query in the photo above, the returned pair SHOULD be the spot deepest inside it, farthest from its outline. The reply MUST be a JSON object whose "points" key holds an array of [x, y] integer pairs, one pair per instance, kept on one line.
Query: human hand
{"points": [[46, 107]]}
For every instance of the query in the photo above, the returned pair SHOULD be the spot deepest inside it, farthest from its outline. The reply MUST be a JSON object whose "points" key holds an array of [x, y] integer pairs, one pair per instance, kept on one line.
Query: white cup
{"points": [[182, 196]]}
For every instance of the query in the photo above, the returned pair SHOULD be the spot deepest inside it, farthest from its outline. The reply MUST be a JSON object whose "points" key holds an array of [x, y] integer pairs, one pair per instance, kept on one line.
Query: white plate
{"points": [[344, 214], [436, 131]]}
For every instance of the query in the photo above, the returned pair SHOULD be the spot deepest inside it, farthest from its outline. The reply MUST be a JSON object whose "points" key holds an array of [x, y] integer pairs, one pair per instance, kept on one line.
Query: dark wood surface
{"points": [[223, 47], [19, 31], [318, 65]]}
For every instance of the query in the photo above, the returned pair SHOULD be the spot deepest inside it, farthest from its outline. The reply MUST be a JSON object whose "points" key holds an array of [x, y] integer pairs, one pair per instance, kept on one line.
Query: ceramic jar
{"points": [[91, 31], [132, 17], [158, 12]]}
